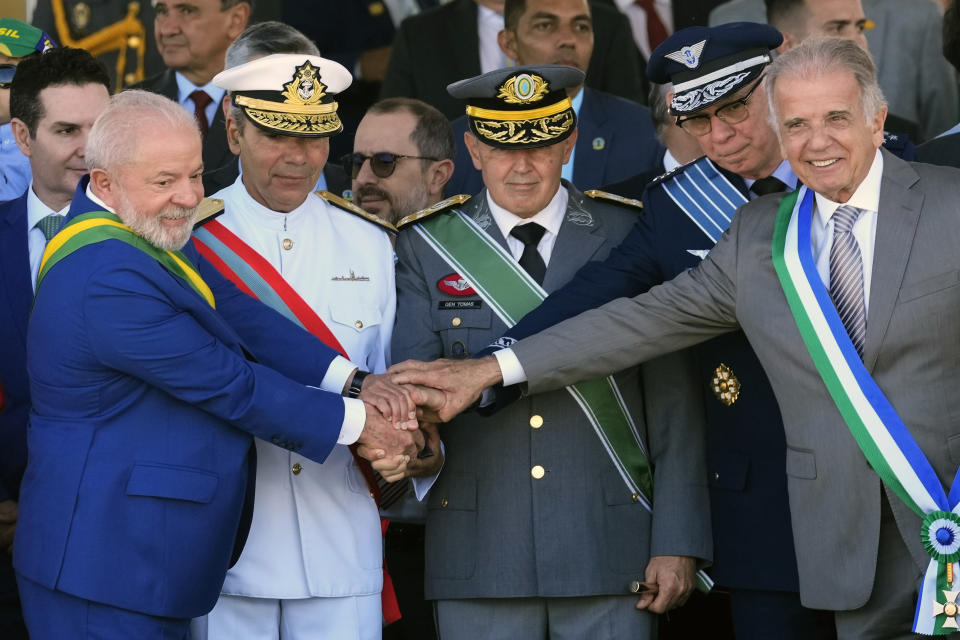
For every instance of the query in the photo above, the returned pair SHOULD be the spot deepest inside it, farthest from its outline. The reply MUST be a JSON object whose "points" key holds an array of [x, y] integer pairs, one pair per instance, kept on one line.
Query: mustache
{"points": [[177, 213], [369, 190]]}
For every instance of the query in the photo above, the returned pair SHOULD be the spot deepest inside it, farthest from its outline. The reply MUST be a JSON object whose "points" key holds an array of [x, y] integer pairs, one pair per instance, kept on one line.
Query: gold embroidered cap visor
{"points": [[289, 94], [520, 107]]}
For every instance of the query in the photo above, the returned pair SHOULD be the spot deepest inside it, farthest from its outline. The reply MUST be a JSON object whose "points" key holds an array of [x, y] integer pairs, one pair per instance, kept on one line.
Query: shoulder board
{"points": [[429, 211], [673, 172], [208, 209], [346, 205], [596, 194]]}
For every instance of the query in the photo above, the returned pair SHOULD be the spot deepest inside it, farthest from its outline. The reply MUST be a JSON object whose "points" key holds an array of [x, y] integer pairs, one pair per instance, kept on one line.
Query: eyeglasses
{"points": [[382, 164], [731, 113], [7, 71]]}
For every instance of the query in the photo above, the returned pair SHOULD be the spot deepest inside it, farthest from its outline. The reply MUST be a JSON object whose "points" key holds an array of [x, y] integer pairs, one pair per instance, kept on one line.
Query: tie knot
{"points": [[50, 225], [201, 99], [844, 218], [529, 234], [768, 185]]}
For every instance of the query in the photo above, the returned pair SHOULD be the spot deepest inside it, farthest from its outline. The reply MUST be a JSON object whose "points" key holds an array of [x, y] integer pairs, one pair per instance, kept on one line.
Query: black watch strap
{"points": [[353, 391]]}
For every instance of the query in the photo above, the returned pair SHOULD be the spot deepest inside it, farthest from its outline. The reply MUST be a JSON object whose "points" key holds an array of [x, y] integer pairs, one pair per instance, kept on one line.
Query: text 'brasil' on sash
{"points": [[885, 441], [500, 281]]}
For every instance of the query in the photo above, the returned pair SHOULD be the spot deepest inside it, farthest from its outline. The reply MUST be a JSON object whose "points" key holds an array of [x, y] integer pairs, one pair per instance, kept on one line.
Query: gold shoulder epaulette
{"points": [[429, 211], [346, 205], [596, 194], [208, 209]]}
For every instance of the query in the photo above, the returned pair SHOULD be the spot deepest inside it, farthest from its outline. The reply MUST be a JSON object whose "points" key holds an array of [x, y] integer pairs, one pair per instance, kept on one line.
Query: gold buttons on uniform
{"points": [[444, 502], [456, 322], [358, 324], [133, 42], [537, 472], [287, 244], [536, 421], [635, 497], [297, 468]]}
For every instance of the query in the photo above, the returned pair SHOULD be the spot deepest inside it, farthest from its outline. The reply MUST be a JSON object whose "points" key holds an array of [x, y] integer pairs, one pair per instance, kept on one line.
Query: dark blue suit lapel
{"points": [[15, 262], [590, 164]]}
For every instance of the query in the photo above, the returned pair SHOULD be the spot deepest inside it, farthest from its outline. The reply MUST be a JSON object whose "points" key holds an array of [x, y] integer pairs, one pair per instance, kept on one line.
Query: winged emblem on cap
{"points": [[305, 88], [689, 56]]}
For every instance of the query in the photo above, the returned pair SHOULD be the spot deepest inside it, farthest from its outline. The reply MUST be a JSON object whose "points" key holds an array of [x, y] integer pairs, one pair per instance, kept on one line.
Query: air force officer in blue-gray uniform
{"points": [[530, 526], [716, 73], [136, 493]]}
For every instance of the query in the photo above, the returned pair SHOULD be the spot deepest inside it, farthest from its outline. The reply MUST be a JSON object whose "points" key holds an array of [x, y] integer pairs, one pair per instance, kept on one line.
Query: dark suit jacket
{"points": [[440, 46], [220, 167], [944, 151], [616, 140]]}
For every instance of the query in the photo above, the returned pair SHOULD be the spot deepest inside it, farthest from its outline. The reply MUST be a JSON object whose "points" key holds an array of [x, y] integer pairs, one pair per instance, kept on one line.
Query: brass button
{"points": [[444, 502], [635, 497], [536, 421], [537, 472], [130, 78], [716, 476], [133, 42], [297, 468], [287, 244], [358, 324], [456, 322]]}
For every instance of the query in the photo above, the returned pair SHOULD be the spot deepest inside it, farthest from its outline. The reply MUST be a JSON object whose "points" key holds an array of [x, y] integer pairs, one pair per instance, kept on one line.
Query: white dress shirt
{"points": [[36, 242], [550, 218], [867, 198], [638, 21], [185, 88], [489, 24], [316, 530]]}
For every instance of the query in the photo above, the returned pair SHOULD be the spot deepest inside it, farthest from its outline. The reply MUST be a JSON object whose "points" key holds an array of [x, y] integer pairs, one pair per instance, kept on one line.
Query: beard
{"points": [[398, 206], [151, 228]]}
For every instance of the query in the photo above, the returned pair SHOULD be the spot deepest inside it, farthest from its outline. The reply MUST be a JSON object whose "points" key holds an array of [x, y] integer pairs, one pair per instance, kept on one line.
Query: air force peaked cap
{"points": [[520, 107], [705, 64], [288, 93]]}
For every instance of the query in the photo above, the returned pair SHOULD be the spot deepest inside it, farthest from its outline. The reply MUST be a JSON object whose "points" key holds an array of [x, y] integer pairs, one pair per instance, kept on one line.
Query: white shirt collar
{"points": [[97, 201], [37, 211], [866, 197], [185, 88], [550, 218]]}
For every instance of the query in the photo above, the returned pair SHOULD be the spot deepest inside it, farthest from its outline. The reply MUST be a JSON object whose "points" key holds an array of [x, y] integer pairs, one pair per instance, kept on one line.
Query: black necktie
{"points": [[767, 185], [530, 234]]}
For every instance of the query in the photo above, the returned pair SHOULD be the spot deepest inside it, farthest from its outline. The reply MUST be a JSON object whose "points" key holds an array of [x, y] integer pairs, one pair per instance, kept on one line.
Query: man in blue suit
{"points": [[149, 374], [54, 102], [615, 136]]}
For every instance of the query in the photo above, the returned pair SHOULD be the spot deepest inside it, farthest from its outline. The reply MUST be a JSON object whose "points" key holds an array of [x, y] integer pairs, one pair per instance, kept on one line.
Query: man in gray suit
{"points": [[532, 525], [847, 317]]}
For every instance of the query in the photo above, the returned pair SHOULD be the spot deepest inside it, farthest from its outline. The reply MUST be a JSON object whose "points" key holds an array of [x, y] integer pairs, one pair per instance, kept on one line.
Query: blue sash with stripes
{"points": [[706, 196]]}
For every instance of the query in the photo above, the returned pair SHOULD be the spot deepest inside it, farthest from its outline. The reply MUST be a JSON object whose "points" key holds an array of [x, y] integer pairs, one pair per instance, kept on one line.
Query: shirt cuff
{"points": [[422, 486], [510, 367], [337, 375], [354, 417]]}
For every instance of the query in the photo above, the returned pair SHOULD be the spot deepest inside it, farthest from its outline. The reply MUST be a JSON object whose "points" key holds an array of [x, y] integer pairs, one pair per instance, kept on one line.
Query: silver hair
{"points": [[816, 57], [659, 111], [264, 39], [112, 139]]}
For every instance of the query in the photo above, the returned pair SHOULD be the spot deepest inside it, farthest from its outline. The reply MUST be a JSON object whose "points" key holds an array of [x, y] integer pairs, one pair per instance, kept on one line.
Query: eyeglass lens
{"points": [[382, 164], [7, 71]]}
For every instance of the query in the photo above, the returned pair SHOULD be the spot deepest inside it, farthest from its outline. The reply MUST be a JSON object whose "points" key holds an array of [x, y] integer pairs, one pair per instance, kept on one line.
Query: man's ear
{"points": [[473, 146], [233, 131], [507, 39], [569, 144], [104, 187], [440, 173], [22, 135], [238, 19]]}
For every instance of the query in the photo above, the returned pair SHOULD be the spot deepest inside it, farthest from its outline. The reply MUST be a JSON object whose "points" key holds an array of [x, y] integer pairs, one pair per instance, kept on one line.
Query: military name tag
{"points": [[455, 305]]}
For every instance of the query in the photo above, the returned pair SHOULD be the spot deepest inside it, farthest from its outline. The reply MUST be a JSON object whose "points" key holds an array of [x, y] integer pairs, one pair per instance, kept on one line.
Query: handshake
{"points": [[405, 404]]}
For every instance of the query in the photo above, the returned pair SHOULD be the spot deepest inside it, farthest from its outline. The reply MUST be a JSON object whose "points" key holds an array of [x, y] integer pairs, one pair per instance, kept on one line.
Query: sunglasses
{"points": [[7, 71], [382, 164]]}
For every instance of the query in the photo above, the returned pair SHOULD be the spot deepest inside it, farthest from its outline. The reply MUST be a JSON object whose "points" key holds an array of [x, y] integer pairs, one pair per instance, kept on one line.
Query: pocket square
{"points": [[700, 253]]}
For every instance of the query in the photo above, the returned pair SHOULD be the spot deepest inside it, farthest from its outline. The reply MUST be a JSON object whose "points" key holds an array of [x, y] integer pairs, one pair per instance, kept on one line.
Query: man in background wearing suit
{"points": [[193, 39], [615, 136], [532, 525], [135, 498], [845, 289], [441, 45], [55, 100]]}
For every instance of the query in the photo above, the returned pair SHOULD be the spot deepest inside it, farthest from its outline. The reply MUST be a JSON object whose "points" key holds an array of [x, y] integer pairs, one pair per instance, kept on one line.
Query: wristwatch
{"points": [[353, 391]]}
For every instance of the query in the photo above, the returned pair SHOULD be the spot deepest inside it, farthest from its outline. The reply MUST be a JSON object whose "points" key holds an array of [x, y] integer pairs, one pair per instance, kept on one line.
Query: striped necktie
{"points": [[846, 276]]}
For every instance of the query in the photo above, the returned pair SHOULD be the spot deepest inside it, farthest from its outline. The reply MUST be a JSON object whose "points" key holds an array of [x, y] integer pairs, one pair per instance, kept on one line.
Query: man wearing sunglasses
{"points": [[534, 524], [402, 158], [17, 39]]}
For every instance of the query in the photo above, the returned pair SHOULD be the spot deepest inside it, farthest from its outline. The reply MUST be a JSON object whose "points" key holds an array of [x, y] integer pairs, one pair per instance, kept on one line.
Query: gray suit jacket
{"points": [[492, 529], [914, 312]]}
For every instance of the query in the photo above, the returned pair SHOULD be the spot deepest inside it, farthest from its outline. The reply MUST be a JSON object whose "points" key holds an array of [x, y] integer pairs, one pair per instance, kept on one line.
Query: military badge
{"points": [[524, 88], [725, 385], [688, 56], [455, 285], [305, 88]]}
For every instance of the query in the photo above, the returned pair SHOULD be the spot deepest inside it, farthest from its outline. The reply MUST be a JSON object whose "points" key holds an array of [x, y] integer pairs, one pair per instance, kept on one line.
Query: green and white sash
{"points": [[885, 441], [503, 284]]}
